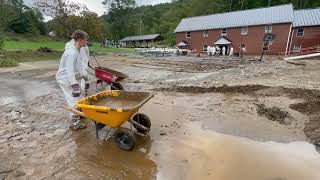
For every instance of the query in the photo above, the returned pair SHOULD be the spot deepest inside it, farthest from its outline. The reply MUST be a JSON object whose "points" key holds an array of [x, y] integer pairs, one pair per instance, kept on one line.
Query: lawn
{"points": [[25, 45], [59, 46], [26, 50]]}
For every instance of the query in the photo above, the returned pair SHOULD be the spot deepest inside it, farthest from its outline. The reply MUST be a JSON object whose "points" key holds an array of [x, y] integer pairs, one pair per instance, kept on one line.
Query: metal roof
{"points": [[270, 15], [306, 17], [182, 43], [141, 38]]}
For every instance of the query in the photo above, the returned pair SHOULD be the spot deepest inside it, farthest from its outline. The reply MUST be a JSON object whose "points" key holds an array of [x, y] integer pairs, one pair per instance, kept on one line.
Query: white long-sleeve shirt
{"points": [[69, 67], [82, 59]]}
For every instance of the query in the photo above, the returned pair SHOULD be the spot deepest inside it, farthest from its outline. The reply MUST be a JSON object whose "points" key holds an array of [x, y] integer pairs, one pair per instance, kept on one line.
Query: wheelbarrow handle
{"points": [[75, 111], [96, 62]]}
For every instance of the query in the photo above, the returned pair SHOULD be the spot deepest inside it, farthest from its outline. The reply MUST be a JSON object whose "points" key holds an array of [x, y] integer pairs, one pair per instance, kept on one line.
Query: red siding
{"points": [[253, 40], [310, 38]]}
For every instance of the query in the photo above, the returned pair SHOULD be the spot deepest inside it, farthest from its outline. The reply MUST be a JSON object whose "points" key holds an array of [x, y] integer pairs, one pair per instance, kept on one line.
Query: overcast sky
{"points": [[96, 6]]}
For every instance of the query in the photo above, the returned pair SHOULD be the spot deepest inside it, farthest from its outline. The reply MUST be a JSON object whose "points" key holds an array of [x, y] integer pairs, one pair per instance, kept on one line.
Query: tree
{"points": [[91, 24], [28, 21], [15, 16], [120, 17], [1, 40], [9, 11], [117, 5], [60, 10]]}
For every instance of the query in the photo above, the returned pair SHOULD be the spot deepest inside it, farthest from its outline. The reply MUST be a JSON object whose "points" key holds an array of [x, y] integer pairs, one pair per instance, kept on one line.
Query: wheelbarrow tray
{"points": [[109, 75], [128, 104]]}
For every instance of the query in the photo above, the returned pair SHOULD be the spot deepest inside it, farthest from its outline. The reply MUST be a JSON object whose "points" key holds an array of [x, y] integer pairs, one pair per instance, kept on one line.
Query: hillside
{"points": [[164, 18]]}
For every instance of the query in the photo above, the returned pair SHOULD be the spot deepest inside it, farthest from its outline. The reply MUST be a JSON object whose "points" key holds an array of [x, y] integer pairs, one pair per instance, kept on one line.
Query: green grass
{"points": [[32, 55], [59, 46], [24, 51], [25, 45]]}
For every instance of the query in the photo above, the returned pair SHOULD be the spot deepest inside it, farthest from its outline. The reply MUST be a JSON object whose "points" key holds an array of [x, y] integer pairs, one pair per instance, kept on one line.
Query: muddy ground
{"points": [[212, 118]]}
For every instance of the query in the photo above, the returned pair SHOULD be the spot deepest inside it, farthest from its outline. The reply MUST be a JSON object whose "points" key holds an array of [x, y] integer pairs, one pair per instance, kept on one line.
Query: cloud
{"points": [[97, 7]]}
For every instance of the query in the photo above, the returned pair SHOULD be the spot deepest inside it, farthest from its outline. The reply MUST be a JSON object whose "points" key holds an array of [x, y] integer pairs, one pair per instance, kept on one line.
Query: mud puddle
{"points": [[98, 159], [14, 87], [186, 149], [210, 155], [309, 107]]}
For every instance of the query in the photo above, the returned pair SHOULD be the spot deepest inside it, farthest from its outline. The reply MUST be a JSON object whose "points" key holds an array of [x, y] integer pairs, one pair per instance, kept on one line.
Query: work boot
{"points": [[76, 124]]}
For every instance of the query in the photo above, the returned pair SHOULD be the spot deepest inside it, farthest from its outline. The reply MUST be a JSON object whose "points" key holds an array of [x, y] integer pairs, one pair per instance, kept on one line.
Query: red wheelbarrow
{"points": [[106, 76]]}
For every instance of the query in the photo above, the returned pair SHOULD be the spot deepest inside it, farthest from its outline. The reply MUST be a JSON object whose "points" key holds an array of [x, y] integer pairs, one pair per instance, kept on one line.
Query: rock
{"points": [[163, 133]]}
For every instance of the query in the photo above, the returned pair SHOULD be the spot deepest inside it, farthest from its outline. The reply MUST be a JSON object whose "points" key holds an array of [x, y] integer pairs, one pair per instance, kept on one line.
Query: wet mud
{"points": [[117, 102], [273, 113], [37, 144], [248, 89], [187, 151], [312, 128], [196, 133], [310, 105]]}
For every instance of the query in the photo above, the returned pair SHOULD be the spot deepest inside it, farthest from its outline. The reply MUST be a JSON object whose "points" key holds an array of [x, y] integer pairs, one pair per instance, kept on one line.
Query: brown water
{"points": [[104, 160], [118, 102], [187, 151], [214, 156]]}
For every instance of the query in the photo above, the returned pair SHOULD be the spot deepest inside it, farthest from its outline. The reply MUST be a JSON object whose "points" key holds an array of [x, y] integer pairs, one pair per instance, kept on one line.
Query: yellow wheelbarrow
{"points": [[113, 108]]}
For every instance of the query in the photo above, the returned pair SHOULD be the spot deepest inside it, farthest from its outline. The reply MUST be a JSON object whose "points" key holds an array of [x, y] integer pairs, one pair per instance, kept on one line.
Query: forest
{"points": [[122, 18]]}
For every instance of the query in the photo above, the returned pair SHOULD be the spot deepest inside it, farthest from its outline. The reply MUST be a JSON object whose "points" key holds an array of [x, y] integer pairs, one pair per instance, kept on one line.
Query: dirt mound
{"points": [[247, 89], [306, 94], [45, 50], [307, 107], [273, 113], [312, 128]]}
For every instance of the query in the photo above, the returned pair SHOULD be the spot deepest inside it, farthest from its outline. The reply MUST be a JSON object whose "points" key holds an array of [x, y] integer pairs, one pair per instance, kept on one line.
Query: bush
{"points": [[7, 62]]}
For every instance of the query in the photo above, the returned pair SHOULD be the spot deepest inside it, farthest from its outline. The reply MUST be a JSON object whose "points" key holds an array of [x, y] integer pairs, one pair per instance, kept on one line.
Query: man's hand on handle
{"points": [[76, 90]]}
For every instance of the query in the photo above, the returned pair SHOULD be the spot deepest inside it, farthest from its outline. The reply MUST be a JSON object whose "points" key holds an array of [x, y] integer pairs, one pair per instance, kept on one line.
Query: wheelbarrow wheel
{"points": [[125, 139], [143, 120], [117, 86]]}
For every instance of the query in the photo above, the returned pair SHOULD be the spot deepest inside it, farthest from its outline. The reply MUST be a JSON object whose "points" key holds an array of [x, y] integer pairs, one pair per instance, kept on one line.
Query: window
{"points": [[223, 32], [269, 39], [300, 32], [188, 34], [244, 30], [205, 48], [268, 28], [243, 45], [205, 33], [296, 48]]}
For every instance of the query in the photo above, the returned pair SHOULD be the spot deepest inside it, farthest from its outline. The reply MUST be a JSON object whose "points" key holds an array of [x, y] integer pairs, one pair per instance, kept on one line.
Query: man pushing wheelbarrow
{"points": [[71, 73], [108, 108]]}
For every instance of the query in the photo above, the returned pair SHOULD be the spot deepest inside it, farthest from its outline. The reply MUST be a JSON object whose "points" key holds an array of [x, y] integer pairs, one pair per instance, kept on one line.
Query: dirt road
{"points": [[211, 119]]}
